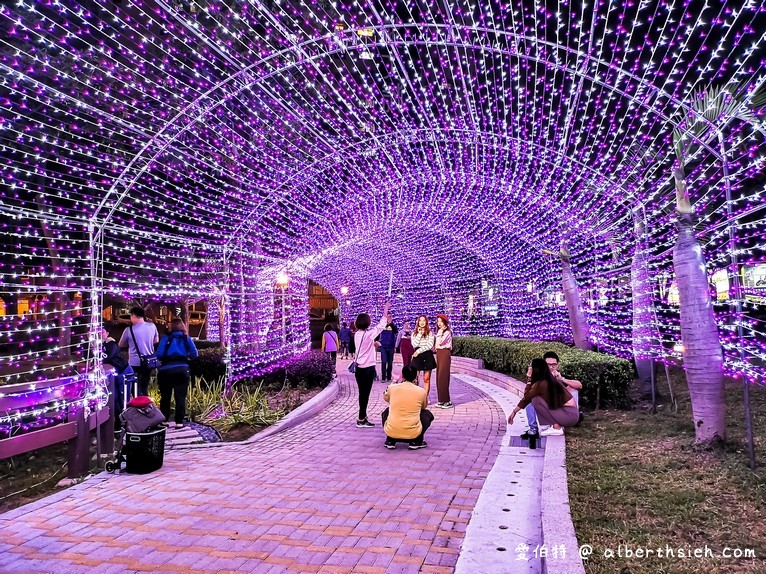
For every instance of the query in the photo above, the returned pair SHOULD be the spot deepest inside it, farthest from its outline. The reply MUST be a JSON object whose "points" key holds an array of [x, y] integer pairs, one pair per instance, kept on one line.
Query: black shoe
{"points": [[527, 435], [390, 444], [417, 445], [364, 424]]}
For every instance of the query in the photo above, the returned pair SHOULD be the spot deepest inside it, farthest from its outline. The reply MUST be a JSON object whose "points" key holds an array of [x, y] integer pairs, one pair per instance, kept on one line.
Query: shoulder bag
{"points": [[352, 366], [151, 361]]}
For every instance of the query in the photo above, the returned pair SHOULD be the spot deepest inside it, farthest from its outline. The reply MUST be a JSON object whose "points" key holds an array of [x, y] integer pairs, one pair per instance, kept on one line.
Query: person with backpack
{"points": [[175, 351]]}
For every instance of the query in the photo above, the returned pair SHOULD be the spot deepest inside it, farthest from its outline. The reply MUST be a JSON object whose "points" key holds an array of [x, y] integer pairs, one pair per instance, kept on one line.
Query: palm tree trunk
{"points": [[703, 357], [580, 327], [642, 330]]}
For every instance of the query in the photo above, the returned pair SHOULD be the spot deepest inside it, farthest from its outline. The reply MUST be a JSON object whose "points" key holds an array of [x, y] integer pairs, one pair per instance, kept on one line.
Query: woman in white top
{"points": [[443, 361], [364, 340], [423, 342]]}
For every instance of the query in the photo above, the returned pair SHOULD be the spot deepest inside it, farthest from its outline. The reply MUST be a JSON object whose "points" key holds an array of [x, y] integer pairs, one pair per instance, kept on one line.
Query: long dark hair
{"points": [[542, 372], [426, 329]]}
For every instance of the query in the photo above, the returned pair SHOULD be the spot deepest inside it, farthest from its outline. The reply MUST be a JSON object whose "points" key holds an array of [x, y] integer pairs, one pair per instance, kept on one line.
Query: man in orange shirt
{"points": [[407, 419]]}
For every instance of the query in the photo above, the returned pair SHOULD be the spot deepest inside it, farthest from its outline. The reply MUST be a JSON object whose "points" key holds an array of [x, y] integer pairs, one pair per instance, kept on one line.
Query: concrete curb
{"points": [[293, 418], [556, 517], [302, 413], [558, 530]]}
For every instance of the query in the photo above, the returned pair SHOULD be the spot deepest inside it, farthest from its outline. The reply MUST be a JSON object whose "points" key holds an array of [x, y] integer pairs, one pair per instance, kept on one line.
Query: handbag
{"points": [[151, 361], [352, 365]]}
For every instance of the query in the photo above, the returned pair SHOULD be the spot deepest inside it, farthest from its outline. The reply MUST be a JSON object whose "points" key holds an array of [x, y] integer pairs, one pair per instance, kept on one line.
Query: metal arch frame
{"points": [[491, 265], [381, 140], [197, 103]]}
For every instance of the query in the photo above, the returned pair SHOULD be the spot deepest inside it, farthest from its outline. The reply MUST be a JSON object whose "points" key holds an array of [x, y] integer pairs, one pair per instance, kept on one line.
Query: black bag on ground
{"points": [[144, 452]]}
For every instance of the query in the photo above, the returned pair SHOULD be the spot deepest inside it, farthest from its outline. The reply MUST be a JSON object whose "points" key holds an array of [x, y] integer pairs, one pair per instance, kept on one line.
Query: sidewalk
{"points": [[323, 496]]}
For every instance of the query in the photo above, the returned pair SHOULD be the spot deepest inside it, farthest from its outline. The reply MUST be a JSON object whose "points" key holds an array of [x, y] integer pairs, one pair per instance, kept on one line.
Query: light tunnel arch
{"points": [[568, 61], [200, 114]]}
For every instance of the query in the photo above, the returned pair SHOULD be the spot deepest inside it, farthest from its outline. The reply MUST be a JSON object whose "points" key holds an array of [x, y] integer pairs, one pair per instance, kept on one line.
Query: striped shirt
{"points": [[421, 343]]}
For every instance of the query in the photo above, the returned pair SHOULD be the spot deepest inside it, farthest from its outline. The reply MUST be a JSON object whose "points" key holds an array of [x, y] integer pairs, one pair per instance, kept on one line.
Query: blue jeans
{"points": [[125, 379], [386, 363], [531, 418]]}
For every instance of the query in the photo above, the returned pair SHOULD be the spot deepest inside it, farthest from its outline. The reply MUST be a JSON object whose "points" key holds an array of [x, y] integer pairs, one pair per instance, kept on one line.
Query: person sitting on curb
{"points": [[572, 385], [553, 404], [407, 419]]}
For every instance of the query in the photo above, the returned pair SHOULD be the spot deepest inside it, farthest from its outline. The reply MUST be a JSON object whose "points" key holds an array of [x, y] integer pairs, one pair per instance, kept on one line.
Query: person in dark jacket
{"points": [[345, 340], [387, 342], [175, 351], [122, 374]]}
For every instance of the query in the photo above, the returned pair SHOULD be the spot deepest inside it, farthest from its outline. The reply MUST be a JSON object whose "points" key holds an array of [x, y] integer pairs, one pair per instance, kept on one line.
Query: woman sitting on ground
{"points": [[553, 404], [407, 419]]}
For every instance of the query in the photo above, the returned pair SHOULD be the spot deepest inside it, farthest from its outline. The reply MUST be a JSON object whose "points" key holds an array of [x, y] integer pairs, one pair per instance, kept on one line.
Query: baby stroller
{"points": [[142, 440]]}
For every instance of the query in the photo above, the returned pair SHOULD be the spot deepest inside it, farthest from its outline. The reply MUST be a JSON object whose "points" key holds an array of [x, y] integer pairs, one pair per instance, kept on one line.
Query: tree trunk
{"points": [[643, 306], [703, 357], [580, 327], [62, 302]]}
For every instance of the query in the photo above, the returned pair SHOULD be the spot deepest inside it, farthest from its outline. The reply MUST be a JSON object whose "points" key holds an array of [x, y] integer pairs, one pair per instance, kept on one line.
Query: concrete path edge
{"points": [[557, 526], [295, 417]]}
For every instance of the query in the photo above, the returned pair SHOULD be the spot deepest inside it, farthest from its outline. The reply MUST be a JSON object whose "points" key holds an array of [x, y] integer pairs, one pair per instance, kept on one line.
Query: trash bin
{"points": [[144, 451]]}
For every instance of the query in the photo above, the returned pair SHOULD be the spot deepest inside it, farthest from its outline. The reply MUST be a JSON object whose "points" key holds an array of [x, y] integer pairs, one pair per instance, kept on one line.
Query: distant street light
{"points": [[343, 292], [283, 279]]}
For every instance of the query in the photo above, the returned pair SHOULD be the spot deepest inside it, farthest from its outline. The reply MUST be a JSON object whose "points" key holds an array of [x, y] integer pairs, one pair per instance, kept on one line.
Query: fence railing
{"points": [[72, 414]]}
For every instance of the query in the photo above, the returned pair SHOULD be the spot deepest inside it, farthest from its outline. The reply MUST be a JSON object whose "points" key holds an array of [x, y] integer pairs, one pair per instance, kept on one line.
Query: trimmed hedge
{"points": [[310, 370], [605, 378], [209, 364]]}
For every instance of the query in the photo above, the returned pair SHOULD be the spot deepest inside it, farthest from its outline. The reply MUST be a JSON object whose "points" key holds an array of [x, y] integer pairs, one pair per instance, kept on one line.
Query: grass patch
{"points": [[637, 479]]}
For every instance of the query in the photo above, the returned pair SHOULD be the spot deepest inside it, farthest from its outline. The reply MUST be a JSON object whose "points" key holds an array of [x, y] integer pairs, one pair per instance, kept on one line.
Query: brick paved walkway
{"points": [[321, 497]]}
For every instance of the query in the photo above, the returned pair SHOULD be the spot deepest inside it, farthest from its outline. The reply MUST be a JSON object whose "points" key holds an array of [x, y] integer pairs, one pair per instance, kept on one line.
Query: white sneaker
{"points": [[551, 431]]}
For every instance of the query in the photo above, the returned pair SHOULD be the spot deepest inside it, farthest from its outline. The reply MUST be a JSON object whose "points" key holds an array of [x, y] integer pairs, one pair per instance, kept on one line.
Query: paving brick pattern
{"points": [[324, 496]]}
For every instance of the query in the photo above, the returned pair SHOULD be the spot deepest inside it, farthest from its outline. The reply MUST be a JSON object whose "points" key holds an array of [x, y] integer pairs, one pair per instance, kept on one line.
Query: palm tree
{"points": [[580, 327], [703, 355], [643, 307]]}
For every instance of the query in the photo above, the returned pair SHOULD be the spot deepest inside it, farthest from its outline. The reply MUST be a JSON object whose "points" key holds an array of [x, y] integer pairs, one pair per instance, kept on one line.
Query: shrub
{"points": [[311, 369], [209, 365], [203, 344], [605, 378]]}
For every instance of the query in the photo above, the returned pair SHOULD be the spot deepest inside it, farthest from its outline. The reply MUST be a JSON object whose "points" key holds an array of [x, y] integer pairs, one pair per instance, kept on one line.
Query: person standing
{"points": [[122, 371], [345, 339], [443, 361], [387, 347], [364, 373], [423, 342], [175, 351], [404, 344], [140, 339], [330, 342], [352, 342]]}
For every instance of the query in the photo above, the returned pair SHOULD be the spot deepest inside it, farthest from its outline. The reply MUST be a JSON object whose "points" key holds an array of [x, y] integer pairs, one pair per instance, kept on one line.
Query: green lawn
{"points": [[637, 479]]}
